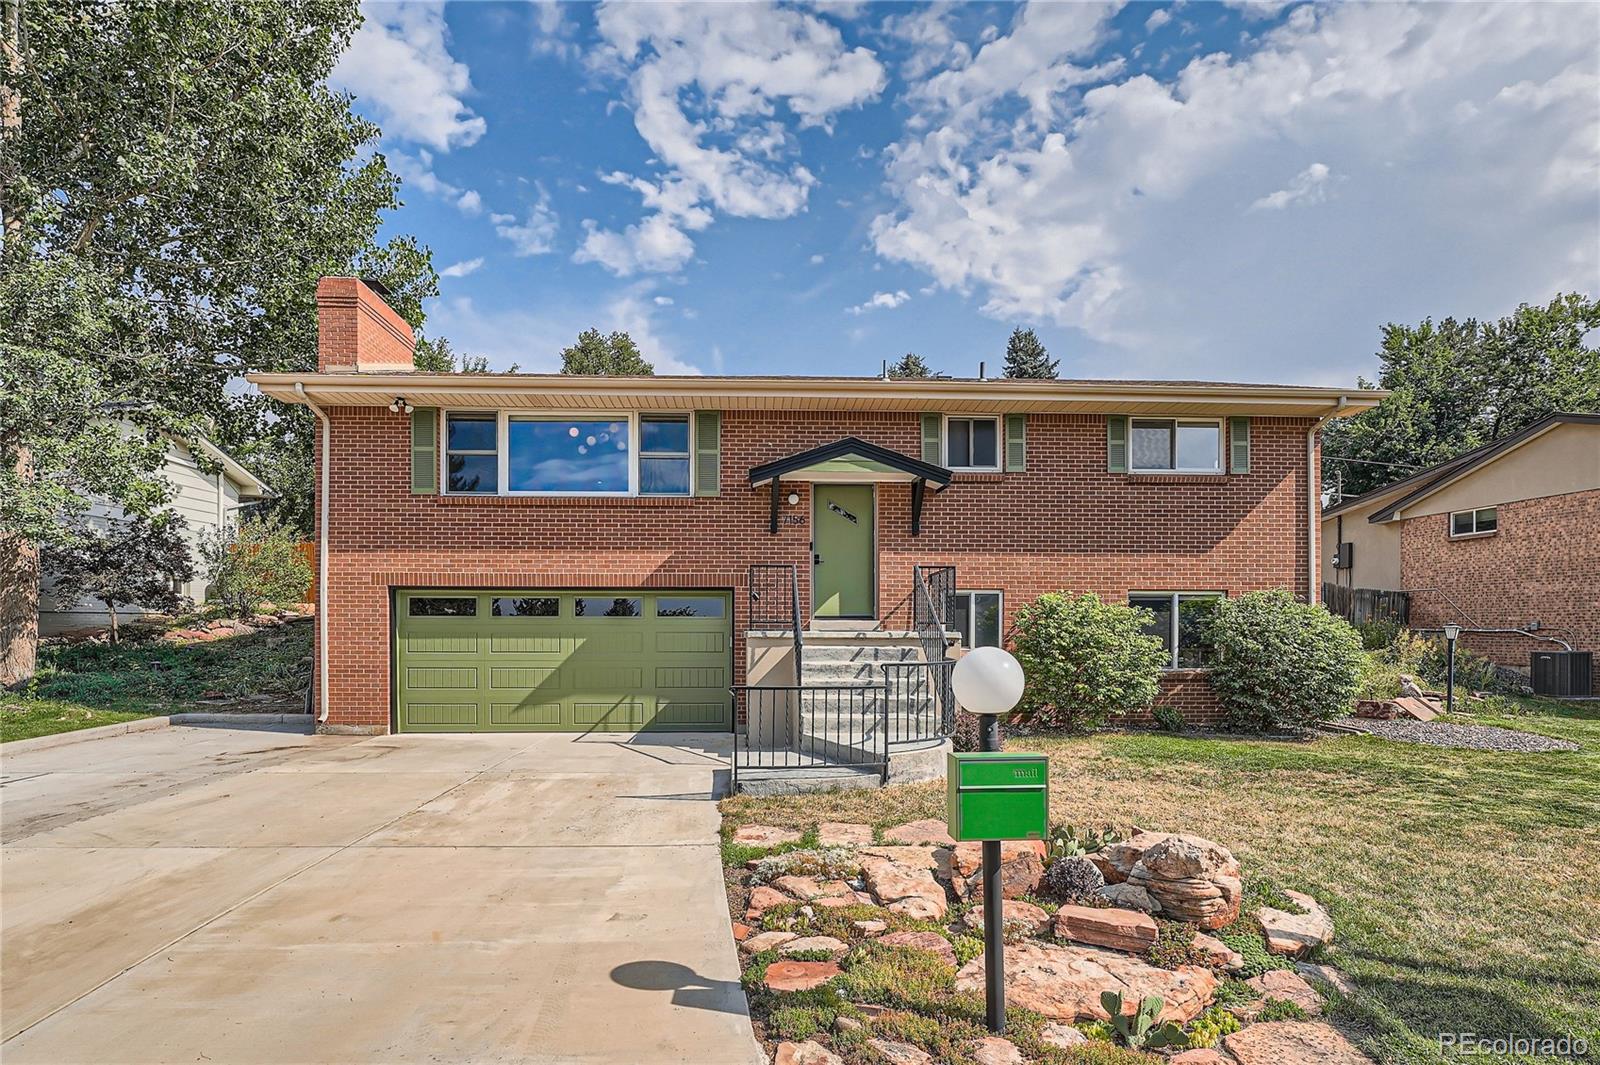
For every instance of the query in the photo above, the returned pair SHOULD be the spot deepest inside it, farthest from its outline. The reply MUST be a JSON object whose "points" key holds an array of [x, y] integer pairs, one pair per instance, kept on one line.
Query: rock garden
{"points": [[863, 945]]}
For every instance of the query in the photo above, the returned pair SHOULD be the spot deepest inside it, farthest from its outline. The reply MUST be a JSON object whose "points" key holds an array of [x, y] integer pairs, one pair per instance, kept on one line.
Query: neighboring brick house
{"points": [[1504, 537], [598, 534]]}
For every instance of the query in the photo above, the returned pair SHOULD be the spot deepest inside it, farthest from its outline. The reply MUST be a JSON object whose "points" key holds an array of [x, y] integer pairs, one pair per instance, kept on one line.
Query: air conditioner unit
{"points": [[1563, 674]]}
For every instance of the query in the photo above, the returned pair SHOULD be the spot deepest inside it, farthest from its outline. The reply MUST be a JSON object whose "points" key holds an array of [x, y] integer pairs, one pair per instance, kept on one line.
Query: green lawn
{"points": [[83, 685], [1464, 885]]}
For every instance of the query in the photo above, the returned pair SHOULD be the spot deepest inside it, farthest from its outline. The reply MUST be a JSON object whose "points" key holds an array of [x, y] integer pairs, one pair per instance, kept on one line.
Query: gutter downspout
{"points": [[1313, 502], [322, 554]]}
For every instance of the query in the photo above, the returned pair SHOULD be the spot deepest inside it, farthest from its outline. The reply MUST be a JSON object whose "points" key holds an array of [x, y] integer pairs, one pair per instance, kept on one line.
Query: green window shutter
{"points": [[1117, 443], [424, 451], [1238, 445], [1016, 442], [707, 452], [933, 439]]}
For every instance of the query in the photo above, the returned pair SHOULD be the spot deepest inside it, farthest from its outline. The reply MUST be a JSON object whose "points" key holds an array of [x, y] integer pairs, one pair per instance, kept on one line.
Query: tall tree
{"points": [[189, 173], [1026, 357], [440, 356], [910, 365], [595, 353], [1456, 385]]}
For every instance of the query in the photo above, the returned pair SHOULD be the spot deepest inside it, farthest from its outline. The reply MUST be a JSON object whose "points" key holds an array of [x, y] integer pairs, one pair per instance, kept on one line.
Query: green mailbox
{"points": [[995, 795]]}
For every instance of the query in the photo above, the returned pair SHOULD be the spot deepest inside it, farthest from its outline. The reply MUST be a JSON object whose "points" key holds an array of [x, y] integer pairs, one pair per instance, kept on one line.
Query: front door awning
{"points": [[852, 461]]}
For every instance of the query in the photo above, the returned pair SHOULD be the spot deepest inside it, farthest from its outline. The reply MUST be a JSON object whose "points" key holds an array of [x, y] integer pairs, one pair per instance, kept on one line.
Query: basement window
{"points": [[1180, 622], [1480, 522]]}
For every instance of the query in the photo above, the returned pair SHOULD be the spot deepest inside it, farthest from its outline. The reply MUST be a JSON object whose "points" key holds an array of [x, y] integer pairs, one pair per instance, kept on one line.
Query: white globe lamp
{"points": [[987, 680]]}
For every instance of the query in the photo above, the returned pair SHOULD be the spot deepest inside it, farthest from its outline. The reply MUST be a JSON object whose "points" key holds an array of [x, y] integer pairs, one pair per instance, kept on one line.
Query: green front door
{"points": [[843, 578], [536, 661]]}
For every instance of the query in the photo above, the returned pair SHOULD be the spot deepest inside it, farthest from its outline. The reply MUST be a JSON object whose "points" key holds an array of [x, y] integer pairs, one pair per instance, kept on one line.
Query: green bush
{"points": [[1378, 633], [1085, 660], [1473, 671], [258, 562], [1282, 663], [1168, 718]]}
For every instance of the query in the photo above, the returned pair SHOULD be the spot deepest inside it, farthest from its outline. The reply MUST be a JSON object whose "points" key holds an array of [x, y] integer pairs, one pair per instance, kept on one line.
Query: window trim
{"points": [[503, 419], [639, 453], [445, 452], [972, 613], [999, 441], [1476, 533], [1221, 425], [1176, 598]]}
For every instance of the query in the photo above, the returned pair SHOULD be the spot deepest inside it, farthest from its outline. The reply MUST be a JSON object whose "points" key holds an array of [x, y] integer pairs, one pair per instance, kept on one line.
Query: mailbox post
{"points": [[991, 796]]}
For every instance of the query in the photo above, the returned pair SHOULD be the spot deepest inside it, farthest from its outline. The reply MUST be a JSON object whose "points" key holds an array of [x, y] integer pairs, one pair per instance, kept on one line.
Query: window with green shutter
{"points": [[1117, 443], [707, 452], [1016, 442], [424, 451], [1238, 445], [933, 439]]}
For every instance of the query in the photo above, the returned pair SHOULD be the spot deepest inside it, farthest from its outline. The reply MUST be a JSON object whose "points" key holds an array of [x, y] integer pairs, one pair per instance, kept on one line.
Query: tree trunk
{"points": [[111, 610], [19, 611]]}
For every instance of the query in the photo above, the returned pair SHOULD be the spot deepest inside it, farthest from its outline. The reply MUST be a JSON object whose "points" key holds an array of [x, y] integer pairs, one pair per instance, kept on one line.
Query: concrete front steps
{"points": [[844, 655]]}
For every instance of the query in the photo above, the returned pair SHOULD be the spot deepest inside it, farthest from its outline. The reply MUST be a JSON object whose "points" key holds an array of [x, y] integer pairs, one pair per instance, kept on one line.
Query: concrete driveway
{"points": [[230, 895]]}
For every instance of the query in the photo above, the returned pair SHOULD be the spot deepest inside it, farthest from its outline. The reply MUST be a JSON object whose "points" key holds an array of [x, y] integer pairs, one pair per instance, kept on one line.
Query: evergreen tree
{"points": [[595, 353], [1026, 357], [910, 365]]}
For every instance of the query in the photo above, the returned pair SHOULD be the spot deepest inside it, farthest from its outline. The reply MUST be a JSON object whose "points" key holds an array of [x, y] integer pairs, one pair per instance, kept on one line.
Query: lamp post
{"points": [[1451, 632], [988, 682]]}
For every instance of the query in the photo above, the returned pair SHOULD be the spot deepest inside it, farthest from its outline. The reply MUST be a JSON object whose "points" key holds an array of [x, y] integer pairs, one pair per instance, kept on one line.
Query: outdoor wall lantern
{"points": [[1007, 797], [1451, 634], [400, 406], [794, 498]]}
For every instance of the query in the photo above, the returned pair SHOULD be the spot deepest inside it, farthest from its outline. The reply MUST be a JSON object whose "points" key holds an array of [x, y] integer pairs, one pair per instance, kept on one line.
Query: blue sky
{"points": [[1200, 190]]}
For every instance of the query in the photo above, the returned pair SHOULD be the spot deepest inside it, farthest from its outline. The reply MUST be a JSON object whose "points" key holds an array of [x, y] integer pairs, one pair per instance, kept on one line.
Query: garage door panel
{"points": [[450, 678], [553, 644], [455, 714], [661, 662], [525, 713]]}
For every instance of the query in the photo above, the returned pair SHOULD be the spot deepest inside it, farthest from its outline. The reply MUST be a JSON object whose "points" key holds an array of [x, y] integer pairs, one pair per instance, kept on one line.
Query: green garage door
{"points": [[532, 661]]}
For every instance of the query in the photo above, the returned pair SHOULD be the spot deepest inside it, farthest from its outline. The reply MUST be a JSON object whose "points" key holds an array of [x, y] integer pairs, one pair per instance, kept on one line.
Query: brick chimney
{"points": [[358, 332]]}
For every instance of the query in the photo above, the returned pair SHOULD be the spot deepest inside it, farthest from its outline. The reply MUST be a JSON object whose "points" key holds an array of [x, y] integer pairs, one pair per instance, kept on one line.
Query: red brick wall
{"points": [[1065, 523], [1542, 564]]}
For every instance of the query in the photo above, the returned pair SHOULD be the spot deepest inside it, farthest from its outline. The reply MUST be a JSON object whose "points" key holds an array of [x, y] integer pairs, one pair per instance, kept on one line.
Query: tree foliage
{"points": [[133, 561], [1026, 356], [440, 356], [1281, 663], [1457, 385], [596, 353], [255, 563], [1085, 660], [910, 365]]}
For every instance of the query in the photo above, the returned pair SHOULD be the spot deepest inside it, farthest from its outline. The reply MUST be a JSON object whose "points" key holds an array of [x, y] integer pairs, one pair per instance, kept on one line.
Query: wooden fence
{"points": [[1361, 605], [308, 551]]}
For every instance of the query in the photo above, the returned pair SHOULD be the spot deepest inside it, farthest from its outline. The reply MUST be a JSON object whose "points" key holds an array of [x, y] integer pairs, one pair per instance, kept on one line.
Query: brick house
{"points": [[1503, 537], [516, 551]]}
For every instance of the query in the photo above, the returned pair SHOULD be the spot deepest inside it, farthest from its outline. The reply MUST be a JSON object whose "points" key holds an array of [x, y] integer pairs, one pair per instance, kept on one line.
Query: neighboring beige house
{"points": [[205, 501], [1505, 536]]}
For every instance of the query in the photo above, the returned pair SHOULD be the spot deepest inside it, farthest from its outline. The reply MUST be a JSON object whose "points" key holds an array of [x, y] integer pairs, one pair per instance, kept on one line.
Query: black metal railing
{"points": [[921, 705], [933, 589], [775, 603], [811, 727]]}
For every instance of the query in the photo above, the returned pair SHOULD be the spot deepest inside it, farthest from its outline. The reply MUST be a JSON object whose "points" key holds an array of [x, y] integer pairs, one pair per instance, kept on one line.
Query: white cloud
{"points": [[536, 235], [816, 260], [400, 69], [1465, 140], [886, 301], [1308, 186], [663, 301], [533, 339], [462, 268], [417, 172], [706, 83], [1158, 18]]}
